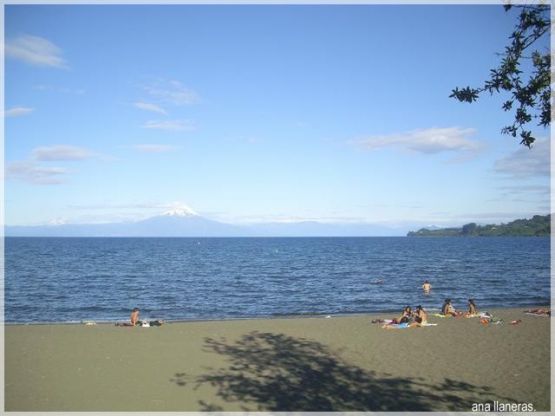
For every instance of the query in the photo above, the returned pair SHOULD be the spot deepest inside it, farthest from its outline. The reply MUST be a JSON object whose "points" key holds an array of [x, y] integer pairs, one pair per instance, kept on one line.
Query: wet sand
{"points": [[303, 364]]}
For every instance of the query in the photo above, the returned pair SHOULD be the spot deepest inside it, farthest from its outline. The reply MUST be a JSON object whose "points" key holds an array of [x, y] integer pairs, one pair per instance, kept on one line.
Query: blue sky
{"points": [[261, 113]]}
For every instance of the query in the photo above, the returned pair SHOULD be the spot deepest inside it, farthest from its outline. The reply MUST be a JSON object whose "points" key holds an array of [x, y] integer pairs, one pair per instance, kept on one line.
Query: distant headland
{"points": [[537, 226]]}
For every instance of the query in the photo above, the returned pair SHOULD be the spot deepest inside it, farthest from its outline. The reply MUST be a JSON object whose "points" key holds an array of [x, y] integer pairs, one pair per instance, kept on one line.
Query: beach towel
{"points": [[440, 315], [396, 326], [428, 324], [382, 321]]}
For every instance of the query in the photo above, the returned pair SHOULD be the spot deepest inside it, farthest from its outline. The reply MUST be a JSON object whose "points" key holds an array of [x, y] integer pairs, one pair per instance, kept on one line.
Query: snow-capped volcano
{"points": [[181, 221], [180, 211]]}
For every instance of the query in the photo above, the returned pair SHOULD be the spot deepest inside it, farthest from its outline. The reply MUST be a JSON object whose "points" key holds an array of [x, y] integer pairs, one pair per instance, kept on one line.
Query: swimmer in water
{"points": [[426, 287]]}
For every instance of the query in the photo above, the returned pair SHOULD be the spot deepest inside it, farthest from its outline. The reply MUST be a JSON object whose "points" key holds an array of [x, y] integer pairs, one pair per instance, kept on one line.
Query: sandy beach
{"points": [[341, 363]]}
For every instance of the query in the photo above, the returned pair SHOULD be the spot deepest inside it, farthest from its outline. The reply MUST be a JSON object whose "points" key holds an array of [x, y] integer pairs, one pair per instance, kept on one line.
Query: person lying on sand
{"points": [[541, 311], [472, 309]]}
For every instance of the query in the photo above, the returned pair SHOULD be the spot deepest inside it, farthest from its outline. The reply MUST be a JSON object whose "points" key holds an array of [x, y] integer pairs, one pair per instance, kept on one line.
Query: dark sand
{"points": [[301, 364]]}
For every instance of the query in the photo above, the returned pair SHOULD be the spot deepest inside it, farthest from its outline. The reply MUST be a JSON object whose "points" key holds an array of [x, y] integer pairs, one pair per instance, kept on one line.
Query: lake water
{"points": [[102, 279]]}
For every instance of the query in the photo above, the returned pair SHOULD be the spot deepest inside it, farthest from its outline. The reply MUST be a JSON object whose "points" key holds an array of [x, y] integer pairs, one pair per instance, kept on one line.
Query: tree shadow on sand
{"points": [[276, 372]]}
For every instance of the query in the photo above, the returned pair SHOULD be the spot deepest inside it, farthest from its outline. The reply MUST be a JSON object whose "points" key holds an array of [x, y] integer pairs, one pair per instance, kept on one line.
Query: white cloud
{"points": [[61, 152], [32, 173], [427, 141], [17, 111], [172, 92], [154, 148], [35, 50], [525, 162], [174, 125], [149, 107]]}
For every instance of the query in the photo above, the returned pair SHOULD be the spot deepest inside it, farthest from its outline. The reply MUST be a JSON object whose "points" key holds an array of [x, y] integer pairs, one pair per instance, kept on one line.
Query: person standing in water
{"points": [[426, 287]]}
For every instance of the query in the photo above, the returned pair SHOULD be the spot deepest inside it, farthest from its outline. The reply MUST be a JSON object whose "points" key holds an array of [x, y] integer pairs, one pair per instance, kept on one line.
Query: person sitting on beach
{"points": [[420, 316], [405, 317], [134, 319], [426, 287], [134, 316], [472, 309], [448, 310]]}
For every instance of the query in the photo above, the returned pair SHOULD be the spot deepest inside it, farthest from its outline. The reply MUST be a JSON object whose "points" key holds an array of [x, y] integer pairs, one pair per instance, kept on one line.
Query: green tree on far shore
{"points": [[530, 98], [537, 226]]}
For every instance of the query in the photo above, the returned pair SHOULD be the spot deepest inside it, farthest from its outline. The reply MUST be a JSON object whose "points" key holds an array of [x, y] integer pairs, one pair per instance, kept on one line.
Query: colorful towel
{"points": [[396, 326]]}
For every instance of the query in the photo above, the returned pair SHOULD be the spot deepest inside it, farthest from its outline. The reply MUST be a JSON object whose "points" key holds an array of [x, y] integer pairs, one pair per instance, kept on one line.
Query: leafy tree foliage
{"points": [[537, 226], [530, 98], [468, 229]]}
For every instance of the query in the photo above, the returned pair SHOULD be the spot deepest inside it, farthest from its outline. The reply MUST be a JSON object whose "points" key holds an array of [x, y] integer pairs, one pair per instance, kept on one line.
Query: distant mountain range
{"points": [[185, 223], [537, 226]]}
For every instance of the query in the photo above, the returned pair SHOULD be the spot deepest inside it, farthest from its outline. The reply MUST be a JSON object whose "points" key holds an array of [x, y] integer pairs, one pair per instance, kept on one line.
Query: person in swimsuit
{"points": [[133, 319], [540, 311], [426, 287], [472, 309], [402, 321], [134, 316], [448, 310], [420, 317], [406, 316]]}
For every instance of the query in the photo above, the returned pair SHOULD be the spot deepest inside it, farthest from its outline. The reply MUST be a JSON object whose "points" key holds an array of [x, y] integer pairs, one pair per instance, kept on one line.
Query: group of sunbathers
{"points": [[448, 310], [419, 317]]}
